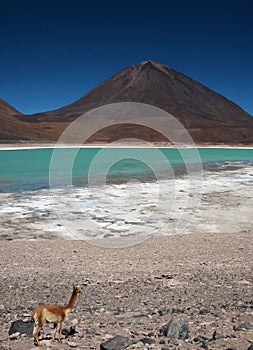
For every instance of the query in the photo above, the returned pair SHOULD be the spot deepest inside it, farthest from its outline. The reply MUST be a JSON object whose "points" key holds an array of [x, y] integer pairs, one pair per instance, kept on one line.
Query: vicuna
{"points": [[53, 313]]}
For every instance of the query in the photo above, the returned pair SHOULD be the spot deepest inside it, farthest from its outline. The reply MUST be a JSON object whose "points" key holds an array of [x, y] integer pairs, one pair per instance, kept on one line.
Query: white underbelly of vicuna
{"points": [[51, 317]]}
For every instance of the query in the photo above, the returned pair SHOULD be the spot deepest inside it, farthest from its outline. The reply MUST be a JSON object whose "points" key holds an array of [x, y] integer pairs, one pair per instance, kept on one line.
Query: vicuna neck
{"points": [[71, 301]]}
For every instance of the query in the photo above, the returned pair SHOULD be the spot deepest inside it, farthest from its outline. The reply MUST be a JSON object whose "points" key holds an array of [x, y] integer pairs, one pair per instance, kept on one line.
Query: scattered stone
{"points": [[119, 310], [69, 332], [65, 332], [22, 327], [14, 336], [175, 329], [117, 343], [72, 344], [245, 326], [204, 345], [131, 314], [177, 311], [164, 330], [251, 347], [163, 311], [148, 341], [164, 275], [219, 334], [74, 322], [137, 346], [46, 343], [91, 331], [200, 338], [151, 334], [204, 311]]}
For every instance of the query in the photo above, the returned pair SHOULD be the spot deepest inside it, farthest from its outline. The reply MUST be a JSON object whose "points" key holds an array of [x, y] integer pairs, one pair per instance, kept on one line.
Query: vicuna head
{"points": [[77, 290]]}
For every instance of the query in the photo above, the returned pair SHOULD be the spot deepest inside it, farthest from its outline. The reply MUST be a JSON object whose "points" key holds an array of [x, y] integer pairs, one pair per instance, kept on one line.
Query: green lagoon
{"points": [[28, 169]]}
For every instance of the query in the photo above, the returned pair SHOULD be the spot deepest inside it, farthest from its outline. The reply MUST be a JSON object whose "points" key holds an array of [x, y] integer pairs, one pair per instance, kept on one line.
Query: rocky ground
{"points": [[204, 280]]}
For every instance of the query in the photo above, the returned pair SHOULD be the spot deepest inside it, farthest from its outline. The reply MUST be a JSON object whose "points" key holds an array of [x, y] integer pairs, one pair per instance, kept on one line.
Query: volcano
{"points": [[209, 117]]}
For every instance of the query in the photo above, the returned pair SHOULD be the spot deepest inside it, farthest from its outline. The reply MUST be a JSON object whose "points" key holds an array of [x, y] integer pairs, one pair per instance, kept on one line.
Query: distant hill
{"points": [[10, 127], [208, 116], [14, 129]]}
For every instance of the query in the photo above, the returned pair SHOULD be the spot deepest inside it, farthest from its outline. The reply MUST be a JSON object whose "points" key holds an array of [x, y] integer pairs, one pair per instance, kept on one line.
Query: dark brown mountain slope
{"points": [[8, 124], [208, 116], [14, 129]]}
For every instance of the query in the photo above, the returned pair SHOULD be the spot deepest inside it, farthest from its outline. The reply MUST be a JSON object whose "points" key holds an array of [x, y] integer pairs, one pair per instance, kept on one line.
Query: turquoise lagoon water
{"points": [[28, 169]]}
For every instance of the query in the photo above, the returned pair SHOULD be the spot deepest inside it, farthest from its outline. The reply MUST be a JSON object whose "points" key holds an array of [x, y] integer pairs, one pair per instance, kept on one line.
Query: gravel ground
{"points": [[203, 279]]}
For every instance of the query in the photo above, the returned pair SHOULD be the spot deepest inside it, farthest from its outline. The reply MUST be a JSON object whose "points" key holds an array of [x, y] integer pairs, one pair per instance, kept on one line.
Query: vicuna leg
{"points": [[55, 332], [37, 327], [59, 331]]}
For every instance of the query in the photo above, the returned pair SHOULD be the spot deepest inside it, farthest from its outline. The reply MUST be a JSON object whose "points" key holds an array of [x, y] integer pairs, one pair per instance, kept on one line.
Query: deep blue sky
{"points": [[53, 52]]}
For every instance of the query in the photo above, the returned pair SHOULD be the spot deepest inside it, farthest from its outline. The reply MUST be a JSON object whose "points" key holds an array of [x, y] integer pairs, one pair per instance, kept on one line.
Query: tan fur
{"points": [[53, 313]]}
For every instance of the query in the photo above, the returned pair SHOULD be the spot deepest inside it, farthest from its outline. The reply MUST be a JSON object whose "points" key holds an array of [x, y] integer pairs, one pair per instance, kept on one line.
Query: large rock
{"points": [[175, 329], [22, 328], [117, 343]]}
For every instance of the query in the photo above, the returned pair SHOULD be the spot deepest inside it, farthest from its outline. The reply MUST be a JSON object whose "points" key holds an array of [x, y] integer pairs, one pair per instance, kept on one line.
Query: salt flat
{"points": [[220, 201]]}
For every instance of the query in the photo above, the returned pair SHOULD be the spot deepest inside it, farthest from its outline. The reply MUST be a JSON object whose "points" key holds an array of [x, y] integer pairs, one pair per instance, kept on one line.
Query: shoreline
{"points": [[23, 146]]}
